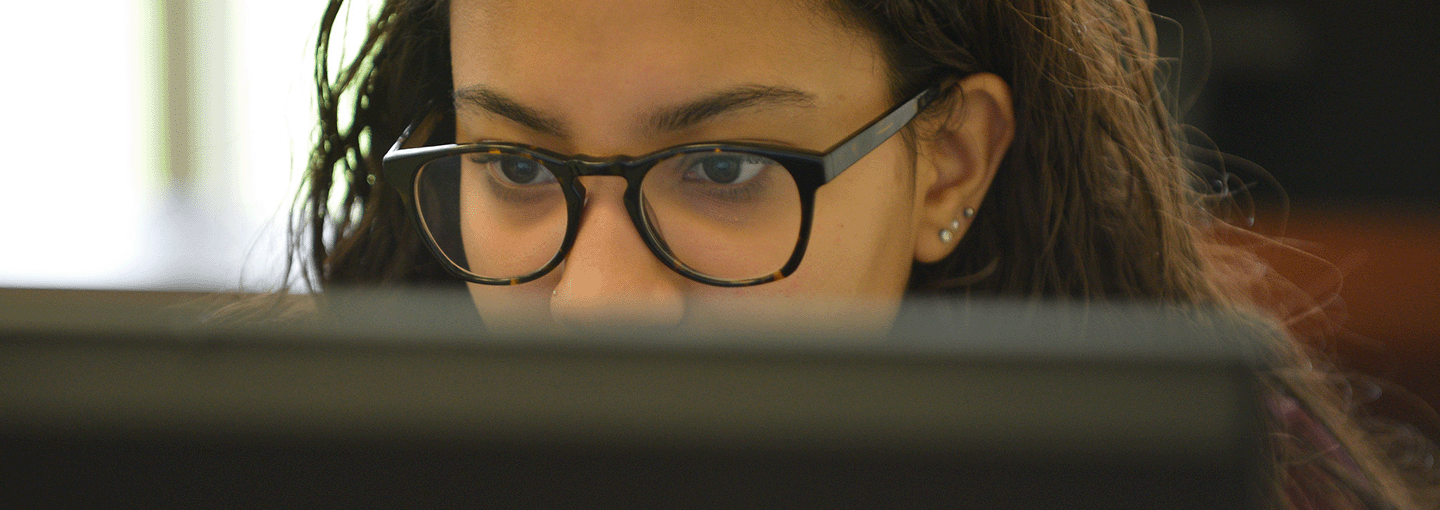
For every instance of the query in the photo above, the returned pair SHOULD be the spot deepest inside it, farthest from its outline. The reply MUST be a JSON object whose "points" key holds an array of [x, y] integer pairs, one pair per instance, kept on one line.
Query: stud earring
{"points": [[948, 234]]}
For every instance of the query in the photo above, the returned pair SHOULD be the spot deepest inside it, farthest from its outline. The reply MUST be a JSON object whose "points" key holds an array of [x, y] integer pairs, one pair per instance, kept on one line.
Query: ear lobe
{"points": [[956, 164]]}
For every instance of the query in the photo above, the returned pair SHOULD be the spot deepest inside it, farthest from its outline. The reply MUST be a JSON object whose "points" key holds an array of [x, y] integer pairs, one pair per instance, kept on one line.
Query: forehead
{"points": [[579, 51]]}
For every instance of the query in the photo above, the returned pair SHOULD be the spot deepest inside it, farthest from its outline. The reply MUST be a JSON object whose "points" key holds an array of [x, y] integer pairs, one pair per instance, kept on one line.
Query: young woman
{"points": [[681, 163]]}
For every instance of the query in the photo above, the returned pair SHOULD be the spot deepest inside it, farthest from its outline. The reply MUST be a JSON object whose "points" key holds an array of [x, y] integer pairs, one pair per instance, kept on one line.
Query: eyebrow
{"points": [[482, 97], [694, 112], [665, 119]]}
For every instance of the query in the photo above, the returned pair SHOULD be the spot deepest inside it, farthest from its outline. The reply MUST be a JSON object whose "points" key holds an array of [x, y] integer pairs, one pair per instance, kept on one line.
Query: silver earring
{"points": [[969, 212], [948, 234]]}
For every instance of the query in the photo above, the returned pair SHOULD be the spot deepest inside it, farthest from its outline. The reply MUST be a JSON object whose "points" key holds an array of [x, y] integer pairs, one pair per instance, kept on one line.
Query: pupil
{"points": [[519, 170], [722, 170]]}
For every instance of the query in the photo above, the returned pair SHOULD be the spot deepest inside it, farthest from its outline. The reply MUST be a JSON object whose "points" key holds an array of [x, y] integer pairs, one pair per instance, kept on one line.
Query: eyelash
{"points": [[743, 192], [506, 191]]}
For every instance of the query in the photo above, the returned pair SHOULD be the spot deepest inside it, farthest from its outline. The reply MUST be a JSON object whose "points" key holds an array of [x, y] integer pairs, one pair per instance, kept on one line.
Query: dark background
{"points": [[1338, 100]]}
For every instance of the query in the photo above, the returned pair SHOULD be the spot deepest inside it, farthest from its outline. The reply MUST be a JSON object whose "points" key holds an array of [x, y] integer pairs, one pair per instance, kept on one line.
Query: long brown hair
{"points": [[1095, 199]]}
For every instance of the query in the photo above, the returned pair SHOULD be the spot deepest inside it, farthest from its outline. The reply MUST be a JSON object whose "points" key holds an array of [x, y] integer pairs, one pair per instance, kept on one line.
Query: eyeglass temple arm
{"points": [[419, 130], [841, 157]]}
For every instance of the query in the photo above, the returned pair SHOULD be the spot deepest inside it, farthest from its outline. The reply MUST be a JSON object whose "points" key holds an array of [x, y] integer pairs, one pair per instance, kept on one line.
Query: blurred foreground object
{"points": [[108, 399]]}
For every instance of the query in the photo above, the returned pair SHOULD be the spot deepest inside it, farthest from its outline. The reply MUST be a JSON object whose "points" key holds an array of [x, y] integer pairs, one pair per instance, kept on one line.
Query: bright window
{"points": [[155, 144]]}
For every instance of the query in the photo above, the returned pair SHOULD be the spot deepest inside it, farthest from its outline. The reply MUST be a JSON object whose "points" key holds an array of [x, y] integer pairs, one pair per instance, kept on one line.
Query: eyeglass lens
{"points": [[724, 215]]}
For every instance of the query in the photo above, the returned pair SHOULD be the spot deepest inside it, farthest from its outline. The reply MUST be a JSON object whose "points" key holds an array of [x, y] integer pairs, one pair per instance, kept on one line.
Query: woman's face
{"points": [[588, 78]]}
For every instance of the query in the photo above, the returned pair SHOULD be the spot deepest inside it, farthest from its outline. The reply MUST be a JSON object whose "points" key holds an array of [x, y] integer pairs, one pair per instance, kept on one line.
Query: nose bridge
{"points": [[610, 277]]}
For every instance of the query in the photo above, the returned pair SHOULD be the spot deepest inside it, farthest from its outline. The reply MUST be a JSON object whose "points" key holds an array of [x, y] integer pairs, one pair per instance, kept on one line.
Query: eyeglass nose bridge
{"points": [[617, 166], [604, 167]]}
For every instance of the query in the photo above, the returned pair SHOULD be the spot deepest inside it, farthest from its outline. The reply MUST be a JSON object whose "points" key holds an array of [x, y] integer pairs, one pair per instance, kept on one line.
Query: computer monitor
{"points": [[107, 399]]}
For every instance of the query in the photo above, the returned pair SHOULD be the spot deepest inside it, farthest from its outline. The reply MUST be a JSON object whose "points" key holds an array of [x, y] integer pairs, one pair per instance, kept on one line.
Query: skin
{"points": [[598, 70]]}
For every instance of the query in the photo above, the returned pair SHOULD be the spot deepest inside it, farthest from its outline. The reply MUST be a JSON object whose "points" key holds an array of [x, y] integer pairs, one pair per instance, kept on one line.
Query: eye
{"points": [[517, 170], [726, 168]]}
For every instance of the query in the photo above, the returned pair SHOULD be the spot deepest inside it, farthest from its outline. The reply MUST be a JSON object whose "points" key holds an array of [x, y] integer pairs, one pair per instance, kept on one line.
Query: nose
{"points": [[610, 279]]}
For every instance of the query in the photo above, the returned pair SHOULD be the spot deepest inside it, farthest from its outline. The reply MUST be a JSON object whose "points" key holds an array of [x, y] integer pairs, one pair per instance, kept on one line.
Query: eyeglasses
{"points": [[729, 215]]}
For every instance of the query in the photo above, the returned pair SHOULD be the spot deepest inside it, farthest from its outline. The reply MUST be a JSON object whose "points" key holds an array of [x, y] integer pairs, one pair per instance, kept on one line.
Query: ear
{"points": [[955, 166]]}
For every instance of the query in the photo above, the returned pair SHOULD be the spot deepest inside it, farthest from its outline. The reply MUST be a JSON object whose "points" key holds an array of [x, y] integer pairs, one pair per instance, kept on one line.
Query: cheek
{"points": [[514, 308], [863, 241]]}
